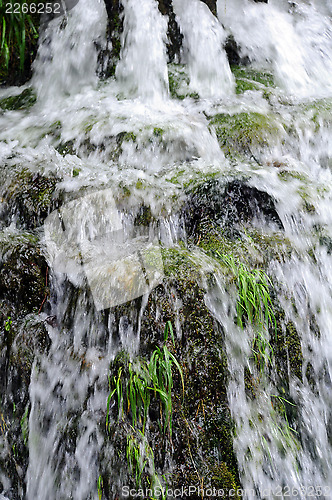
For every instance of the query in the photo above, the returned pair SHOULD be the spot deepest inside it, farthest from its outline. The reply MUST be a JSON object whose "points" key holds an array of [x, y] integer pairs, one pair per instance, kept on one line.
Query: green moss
{"points": [[286, 175], [319, 111], [25, 100], [31, 197], [66, 148], [158, 132], [242, 133], [250, 79], [288, 350], [204, 365]]}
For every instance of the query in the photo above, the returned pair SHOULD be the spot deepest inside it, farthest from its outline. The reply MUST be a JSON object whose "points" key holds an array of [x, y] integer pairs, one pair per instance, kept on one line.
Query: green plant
{"points": [[25, 425], [136, 456], [285, 430], [135, 386], [8, 324], [16, 28], [146, 379], [254, 305], [100, 487]]}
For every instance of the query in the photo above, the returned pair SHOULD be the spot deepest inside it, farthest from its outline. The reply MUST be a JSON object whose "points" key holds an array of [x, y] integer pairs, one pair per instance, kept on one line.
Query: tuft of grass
{"points": [[8, 324], [254, 305], [134, 388], [100, 485], [146, 379], [18, 30]]}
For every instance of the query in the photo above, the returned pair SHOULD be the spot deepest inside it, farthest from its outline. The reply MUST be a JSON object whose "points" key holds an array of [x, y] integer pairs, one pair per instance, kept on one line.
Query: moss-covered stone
{"points": [[18, 102], [21, 339], [30, 199], [23, 274], [287, 351], [227, 207], [109, 57], [249, 79], [244, 133], [202, 425], [174, 36]]}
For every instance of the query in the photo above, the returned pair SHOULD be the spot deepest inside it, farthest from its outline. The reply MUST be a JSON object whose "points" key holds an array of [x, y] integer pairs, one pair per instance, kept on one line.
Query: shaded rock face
{"points": [[212, 4], [201, 421], [229, 206], [174, 35], [109, 57], [233, 52]]}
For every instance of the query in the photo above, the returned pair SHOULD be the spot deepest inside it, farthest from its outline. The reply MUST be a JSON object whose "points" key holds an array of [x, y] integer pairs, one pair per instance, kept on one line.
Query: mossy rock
{"points": [[23, 274], [228, 207], [109, 57], [174, 36], [19, 344], [30, 198], [179, 80], [25, 100], [200, 351], [245, 133], [287, 350], [248, 78]]}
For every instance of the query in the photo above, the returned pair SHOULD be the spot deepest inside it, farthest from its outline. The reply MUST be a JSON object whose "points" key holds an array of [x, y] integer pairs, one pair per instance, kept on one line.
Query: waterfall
{"points": [[209, 76], [142, 70], [120, 201], [62, 67], [294, 43]]}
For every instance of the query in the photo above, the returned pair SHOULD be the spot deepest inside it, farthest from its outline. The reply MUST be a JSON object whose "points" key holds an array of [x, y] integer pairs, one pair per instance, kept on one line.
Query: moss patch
{"points": [[250, 79], [243, 133], [25, 100]]}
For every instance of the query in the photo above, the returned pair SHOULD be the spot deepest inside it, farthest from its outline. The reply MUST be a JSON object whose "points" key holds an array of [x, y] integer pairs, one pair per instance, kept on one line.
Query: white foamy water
{"points": [[67, 56], [142, 71], [210, 76], [293, 40]]}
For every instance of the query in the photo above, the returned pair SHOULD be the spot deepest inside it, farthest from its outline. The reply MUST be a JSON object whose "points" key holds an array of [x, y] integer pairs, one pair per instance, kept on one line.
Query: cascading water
{"points": [[209, 76], [57, 75], [142, 71], [142, 140], [294, 42]]}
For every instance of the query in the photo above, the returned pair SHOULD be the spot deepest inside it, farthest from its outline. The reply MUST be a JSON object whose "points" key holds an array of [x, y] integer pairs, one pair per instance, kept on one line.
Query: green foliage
{"points": [[243, 133], [250, 79], [146, 379], [100, 487], [25, 425], [136, 385], [16, 28], [8, 324], [254, 305]]}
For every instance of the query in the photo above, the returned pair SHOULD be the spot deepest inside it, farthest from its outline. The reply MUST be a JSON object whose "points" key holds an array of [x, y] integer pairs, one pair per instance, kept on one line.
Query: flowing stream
{"points": [[131, 140]]}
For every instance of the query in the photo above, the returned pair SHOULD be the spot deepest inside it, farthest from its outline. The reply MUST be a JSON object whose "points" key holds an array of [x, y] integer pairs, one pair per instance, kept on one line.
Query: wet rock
{"points": [[109, 57], [246, 134], [228, 206], [212, 4], [21, 338], [174, 35], [22, 101], [201, 421], [233, 51], [29, 199], [23, 274]]}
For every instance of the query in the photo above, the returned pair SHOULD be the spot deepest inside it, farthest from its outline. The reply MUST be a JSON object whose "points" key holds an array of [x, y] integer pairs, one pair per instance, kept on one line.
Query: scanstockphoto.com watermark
{"points": [[219, 493], [183, 492]]}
